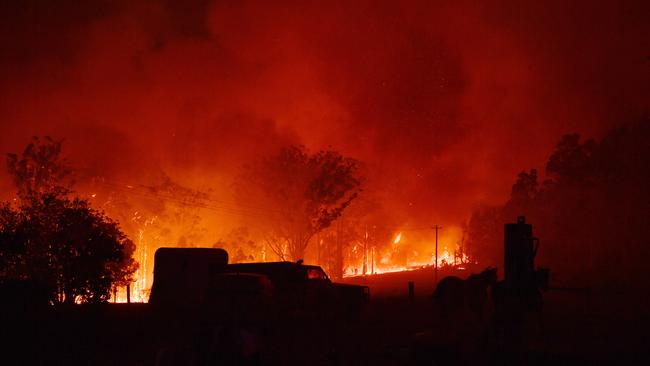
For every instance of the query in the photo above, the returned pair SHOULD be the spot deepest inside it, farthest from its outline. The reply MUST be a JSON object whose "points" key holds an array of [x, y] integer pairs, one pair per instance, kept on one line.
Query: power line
{"points": [[152, 189], [221, 209], [210, 203], [217, 205]]}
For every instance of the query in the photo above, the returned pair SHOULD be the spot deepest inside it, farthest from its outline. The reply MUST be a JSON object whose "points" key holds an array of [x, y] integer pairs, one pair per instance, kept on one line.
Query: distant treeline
{"points": [[591, 212]]}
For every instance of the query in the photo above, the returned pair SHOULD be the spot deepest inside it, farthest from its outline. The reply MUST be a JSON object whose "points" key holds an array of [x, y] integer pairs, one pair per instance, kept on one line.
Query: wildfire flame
{"points": [[408, 256]]}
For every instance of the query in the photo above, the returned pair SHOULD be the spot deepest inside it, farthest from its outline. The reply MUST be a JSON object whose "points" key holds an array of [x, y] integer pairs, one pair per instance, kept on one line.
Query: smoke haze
{"points": [[446, 102]]}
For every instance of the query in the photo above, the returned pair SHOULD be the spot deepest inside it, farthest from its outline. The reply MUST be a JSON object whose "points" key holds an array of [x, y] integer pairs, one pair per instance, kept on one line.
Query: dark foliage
{"points": [[56, 242], [591, 213], [39, 168], [64, 244]]}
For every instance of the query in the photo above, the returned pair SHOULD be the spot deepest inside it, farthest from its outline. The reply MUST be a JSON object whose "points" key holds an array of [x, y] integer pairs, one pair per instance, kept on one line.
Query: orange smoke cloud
{"points": [[452, 100]]}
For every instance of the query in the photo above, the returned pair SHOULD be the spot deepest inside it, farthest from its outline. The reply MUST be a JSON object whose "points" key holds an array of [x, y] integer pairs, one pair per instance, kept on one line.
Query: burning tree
{"points": [[163, 212], [300, 195], [350, 242], [336, 242]]}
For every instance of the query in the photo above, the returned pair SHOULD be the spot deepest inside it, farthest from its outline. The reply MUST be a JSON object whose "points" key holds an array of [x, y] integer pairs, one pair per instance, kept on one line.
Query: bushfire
{"points": [[402, 253]]}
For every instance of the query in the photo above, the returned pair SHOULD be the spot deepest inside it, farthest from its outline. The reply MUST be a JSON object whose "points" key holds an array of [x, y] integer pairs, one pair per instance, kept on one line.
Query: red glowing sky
{"points": [[445, 101]]}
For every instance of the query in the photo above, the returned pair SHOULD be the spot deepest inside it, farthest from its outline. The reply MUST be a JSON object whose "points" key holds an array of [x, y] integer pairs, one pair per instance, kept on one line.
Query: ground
{"points": [[577, 327]]}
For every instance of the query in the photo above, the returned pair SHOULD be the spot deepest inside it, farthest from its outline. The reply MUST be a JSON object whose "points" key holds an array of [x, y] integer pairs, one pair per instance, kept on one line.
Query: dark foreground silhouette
{"points": [[597, 326], [454, 294], [206, 312]]}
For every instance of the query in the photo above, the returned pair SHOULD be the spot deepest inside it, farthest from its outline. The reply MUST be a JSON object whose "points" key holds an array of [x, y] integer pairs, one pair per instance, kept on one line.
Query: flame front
{"points": [[412, 253]]}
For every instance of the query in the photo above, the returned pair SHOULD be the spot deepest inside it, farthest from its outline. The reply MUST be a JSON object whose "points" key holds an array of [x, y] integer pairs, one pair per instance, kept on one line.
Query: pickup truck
{"points": [[202, 310], [247, 311], [195, 277], [305, 289]]}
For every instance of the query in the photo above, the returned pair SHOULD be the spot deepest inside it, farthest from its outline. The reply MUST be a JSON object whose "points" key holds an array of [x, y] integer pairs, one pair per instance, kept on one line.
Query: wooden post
{"points": [[435, 279], [128, 293], [411, 291]]}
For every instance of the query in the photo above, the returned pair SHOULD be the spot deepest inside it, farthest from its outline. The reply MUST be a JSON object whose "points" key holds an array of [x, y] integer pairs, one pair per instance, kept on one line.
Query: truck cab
{"points": [[200, 277], [306, 288]]}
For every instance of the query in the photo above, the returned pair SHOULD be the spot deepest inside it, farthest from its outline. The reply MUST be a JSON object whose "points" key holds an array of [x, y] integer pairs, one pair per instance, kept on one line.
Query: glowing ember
{"points": [[398, 238]]}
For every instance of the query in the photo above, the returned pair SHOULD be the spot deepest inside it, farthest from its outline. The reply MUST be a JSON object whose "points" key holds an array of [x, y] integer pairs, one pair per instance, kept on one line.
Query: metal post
{"points": [[365, 252]]}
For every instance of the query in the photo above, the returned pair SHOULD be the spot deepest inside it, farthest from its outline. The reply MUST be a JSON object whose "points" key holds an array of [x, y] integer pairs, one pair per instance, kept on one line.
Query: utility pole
{"points": [[372, 264], [318, 242], [435, 280], [365, 252]]}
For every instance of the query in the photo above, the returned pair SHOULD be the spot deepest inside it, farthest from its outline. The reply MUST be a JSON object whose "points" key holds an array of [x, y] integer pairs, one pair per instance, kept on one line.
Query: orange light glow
{"points": [[387, 263]]}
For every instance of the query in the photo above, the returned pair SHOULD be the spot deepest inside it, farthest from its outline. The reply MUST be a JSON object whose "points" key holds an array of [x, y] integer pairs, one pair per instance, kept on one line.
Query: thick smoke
{"points": [[447, 102]]}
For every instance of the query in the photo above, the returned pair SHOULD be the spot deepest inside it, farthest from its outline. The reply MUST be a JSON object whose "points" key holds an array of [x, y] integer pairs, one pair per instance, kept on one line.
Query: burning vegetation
{"points": [[298, 205], [292, 160], [323, 133], [294, 204]]}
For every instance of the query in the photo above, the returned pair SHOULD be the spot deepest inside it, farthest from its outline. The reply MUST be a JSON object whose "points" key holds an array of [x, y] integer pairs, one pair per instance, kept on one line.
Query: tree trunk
{"points": [[338, 257], [69, 296]]}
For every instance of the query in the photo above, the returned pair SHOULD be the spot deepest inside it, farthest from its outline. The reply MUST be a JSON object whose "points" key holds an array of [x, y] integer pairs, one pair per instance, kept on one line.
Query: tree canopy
{"points": [[40, 168], [59, 242], [591, 212], [300, 194]]}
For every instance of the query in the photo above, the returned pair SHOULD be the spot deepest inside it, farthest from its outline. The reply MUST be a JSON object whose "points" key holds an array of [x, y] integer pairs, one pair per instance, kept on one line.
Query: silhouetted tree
{"points": [[90, 253], [12, 248], [59, 242], [349, 240], [484, 241], [40, 168], [572, 162], [591, 213], [525, 188], [300, 194], [335, 249], [76, 251]]}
